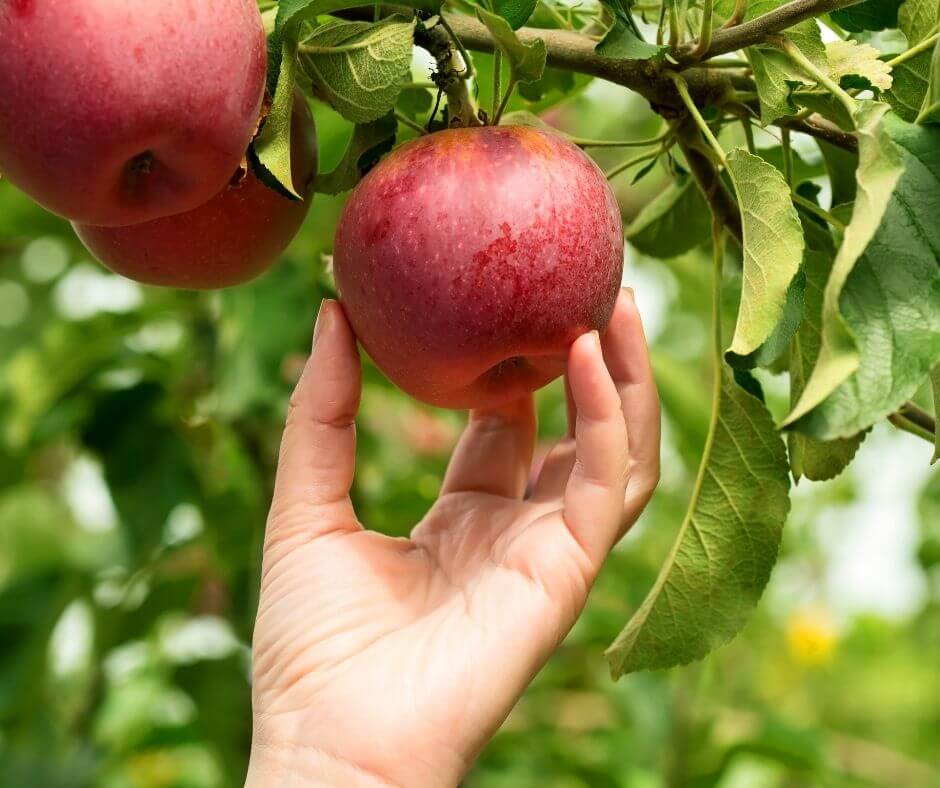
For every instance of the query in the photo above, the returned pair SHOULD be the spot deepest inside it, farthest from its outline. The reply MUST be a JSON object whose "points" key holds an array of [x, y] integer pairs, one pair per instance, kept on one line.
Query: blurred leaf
{"points": [[358, 67], [840, 166], [773, 248], [414, 102], [368, 143], [890, 303], [725, 548], [526, 61], [935, 386], [801, 170], [623, 39], [673, 222]]}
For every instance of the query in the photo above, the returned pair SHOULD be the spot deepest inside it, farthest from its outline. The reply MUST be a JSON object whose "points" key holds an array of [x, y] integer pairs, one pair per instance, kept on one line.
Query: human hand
{"points": [[383, 661]]}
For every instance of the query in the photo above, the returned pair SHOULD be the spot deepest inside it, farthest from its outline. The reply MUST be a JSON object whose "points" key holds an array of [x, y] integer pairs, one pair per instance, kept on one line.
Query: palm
{"points": [[417, 648]]}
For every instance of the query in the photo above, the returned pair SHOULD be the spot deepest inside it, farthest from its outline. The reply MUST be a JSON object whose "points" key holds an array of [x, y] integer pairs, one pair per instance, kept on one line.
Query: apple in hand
{"points": [[232, 238], [116, 112], [468, 261]]}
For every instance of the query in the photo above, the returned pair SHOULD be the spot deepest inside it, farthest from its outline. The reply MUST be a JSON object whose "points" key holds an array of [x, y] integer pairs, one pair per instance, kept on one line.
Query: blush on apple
{"points": [[231, 239], [116, 112], [469, 260]]}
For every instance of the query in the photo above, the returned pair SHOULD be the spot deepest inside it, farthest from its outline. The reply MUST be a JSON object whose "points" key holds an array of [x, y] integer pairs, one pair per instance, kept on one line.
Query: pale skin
{"points": [[384, 661]]}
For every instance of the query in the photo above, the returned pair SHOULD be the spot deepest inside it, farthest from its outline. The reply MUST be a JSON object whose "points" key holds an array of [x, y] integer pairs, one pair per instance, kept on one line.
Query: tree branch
{"points": [[756, 30]]}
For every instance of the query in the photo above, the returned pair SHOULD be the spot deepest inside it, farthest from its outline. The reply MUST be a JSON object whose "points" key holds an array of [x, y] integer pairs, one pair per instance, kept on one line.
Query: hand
{"points": [[381, 661]]}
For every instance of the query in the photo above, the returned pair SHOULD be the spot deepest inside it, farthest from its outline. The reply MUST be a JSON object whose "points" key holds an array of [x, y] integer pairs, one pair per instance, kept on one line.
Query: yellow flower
{"points": [[811, 636]]}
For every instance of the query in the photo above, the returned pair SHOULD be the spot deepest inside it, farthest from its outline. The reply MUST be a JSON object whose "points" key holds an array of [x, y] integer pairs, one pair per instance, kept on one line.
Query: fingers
{"points": [[594, 494], [494, 453], [627, 357], [318, 449]]}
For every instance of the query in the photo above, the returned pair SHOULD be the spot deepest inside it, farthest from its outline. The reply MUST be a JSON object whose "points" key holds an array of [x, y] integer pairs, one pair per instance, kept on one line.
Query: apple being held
{"points": [[231, 239], [469, 260], [120, 111]]}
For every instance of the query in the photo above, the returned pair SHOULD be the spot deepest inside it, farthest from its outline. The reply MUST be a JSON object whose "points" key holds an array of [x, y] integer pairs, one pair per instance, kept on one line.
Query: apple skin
{"points": [[234, 237], [116, 112], [469, 260]]}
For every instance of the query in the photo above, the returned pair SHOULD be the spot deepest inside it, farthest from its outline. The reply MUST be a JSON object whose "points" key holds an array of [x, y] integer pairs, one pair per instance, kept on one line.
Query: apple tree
{"points": [[839, 266]]}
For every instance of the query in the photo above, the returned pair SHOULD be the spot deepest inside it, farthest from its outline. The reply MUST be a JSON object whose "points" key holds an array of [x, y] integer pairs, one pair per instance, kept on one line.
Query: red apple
{"points": [[468, 261], [232, 238], [116, 112]]}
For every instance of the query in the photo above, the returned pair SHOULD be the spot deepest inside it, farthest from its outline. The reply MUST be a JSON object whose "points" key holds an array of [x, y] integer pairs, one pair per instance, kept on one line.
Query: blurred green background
{"points": [[138, 433]]}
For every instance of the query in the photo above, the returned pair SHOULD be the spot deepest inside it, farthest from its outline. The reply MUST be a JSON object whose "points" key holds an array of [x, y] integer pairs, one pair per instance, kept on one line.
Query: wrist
{"points": [[309, 767]]}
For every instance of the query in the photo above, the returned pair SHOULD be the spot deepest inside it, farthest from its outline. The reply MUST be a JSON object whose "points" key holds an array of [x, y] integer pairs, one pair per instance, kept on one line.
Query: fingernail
{"points": [[629, 292], [596, 337], [321, 318]]}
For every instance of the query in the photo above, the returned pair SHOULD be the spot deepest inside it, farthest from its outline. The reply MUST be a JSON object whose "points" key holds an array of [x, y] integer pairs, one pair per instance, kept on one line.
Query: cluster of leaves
{"points": [[845, 297]]}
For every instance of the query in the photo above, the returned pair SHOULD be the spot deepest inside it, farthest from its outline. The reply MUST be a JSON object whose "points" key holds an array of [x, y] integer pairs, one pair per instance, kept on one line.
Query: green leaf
{"points": [[880, 167], [367, 144], [930, 111], [849, 59], [622, 42], [774, 74], [870, 15], [802, 170], [727, 544], [815, 459], [890, 302], [526, 61], [516, 12], [673, 222], [773, 348], [840, 166], [773, 247], [414, 102], [935, 386], [916, 19], [552, 79], [271, 148], [358, 67]]}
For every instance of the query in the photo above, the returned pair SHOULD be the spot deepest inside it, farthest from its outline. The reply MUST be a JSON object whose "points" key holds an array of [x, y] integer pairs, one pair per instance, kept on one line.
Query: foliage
{"points": [[140, 426]]}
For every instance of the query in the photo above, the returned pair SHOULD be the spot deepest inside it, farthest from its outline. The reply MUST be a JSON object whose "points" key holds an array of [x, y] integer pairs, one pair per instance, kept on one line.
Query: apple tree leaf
{"points": [[516, 12], [880, 166], [726, 547], [270, 152], [849, 59], [889, 301], [367, 144], [358, 67], [930, 111], [673, 222], [935, 386], [815, 459], [869, 15], [917, 20], [773, 247], [526, 61]]}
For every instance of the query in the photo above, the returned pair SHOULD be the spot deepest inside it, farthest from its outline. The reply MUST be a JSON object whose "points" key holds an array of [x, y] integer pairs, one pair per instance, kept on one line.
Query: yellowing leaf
{"points": [[849, 58]]}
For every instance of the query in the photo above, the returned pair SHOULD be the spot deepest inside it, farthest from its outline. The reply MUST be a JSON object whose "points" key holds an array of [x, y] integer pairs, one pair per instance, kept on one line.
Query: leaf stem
{"points": [[497, 82], [626, 165], [787, 155], [914, 51], [737, 15], [585, 143], [405, 120], [502, 105], [907, 425], [674, 28], [705, 33], [793, 52], [822, 213], [683, 90]]}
